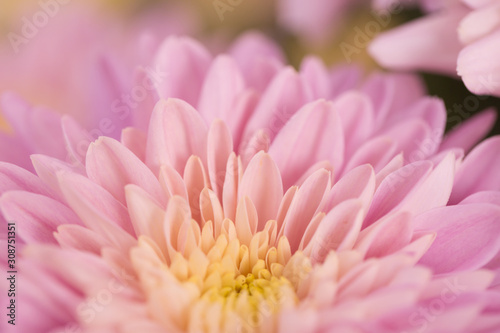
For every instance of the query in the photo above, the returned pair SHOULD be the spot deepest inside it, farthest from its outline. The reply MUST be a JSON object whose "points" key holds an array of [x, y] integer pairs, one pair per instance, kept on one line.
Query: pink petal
{"points": [[282, 99], [358, 183], [434, 191], [299, 321], [76, 140], [414, 138], [284, 206], [338, 230], [211, 209], [142, 98], [478, 3], [305, 243], [72, 236], [37, 216], [458, 283], [395, 164], [344, 78], [196, 180], [246, 221], [135, 140], [316, 76], [429, 109], [479, 23], [377, 152], [382, 5], [112, 166], [222, 85], [13, 177], [181, 64], [177, 214], [47, 167], [33, 124], [98, 198], [259, 141], [145, 215], [478, 172], [315, 20], [460, 315], [98, 210], [358, 281], [258, 57], [492, 197], [395, 188], [176, 132], [18, 156], [219, 147], [314, 134], [261, 183], [243, 109], [478, 67], [437, 51], [326, 165], [84, 272], [386, 236], [391, 94], [467, 236], [109, 83], [172, 182], [41, 122], [466, 134], [356, 115], [47, 300], [234, 173], [419, 245], [145, 325], [305, 205]]}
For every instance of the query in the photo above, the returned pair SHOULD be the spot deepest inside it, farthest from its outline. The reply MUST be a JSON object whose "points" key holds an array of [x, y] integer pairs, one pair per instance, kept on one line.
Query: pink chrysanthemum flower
{"points": [[285, 202], [456, 37]]}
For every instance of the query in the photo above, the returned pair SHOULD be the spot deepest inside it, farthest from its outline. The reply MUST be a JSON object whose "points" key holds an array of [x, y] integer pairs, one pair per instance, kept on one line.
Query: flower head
{"points": [[456, 37], [285, 201]]}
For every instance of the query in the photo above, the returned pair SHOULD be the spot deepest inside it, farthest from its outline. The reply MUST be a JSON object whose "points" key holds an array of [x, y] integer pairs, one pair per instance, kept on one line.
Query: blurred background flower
{"points": [[461, 37], [51, 51], [336, 31]]}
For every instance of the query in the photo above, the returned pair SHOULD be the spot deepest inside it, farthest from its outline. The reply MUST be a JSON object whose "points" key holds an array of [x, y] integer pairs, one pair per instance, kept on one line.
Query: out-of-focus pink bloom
{"points": [[458, 37], [251, 197], [430, 43], [315, 21], [79, 63]]}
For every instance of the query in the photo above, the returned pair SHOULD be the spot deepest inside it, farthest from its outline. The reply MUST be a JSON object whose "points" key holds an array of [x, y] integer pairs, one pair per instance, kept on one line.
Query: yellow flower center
{"points": [[216, 282]]}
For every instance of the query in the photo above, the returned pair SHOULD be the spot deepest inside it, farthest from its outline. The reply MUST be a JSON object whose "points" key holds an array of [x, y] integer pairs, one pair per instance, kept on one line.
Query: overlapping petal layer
{"points": [[292, 201]]}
